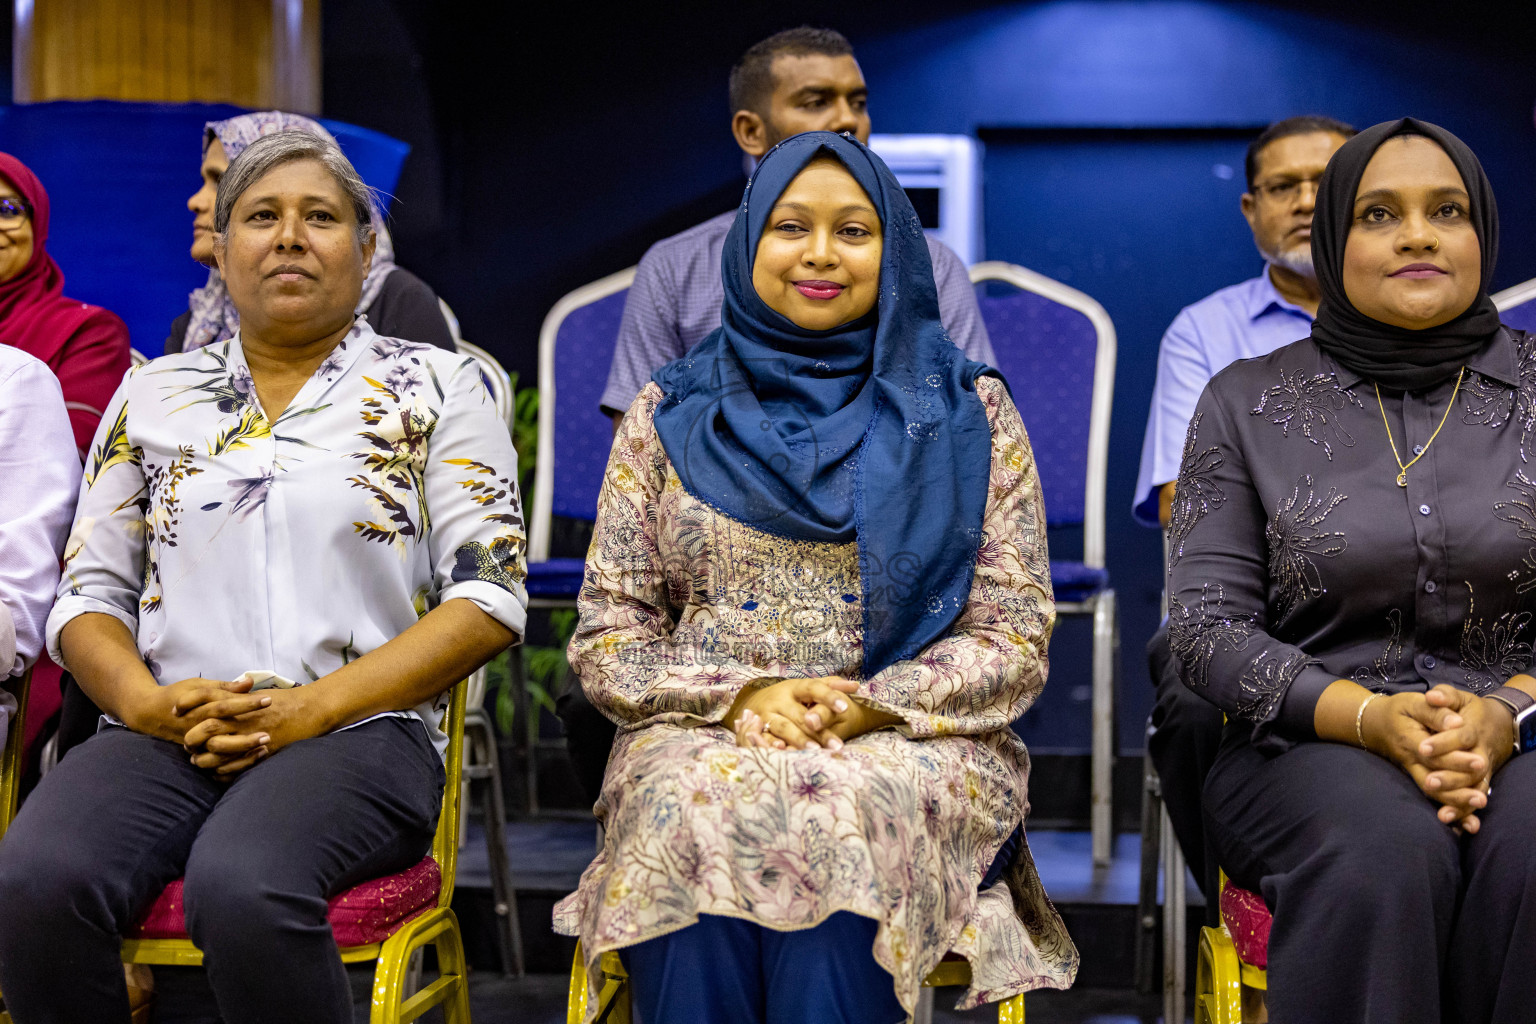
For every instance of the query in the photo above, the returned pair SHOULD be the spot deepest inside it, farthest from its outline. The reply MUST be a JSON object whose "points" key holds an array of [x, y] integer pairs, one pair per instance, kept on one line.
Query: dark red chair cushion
{"points": [[1247, 919], [360, 916]]}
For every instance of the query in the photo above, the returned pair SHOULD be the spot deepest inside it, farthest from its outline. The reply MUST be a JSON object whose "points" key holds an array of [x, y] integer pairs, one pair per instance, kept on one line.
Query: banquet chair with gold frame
{"points": [[614, 1000], [1231, 976], [389, 911]]}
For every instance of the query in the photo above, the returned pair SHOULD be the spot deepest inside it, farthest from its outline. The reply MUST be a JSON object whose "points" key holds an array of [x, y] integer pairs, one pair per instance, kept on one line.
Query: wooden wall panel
{"points": [[255, 53]]}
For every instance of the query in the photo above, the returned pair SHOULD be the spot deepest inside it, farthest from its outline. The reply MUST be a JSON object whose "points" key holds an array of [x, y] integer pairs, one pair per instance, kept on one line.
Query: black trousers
{"points": [[588, 736], [126, 814], [1382, 914], [1186, 733]]}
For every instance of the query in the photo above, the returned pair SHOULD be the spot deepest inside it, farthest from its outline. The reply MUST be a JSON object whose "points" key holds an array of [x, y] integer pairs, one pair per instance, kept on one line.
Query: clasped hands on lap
{"points": [[793, 714], [223, 726], [1450, 742]]}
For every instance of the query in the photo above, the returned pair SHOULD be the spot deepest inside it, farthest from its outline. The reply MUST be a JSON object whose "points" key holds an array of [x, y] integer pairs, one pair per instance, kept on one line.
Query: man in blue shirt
{"points": [[1249, 319], [799, 80]]}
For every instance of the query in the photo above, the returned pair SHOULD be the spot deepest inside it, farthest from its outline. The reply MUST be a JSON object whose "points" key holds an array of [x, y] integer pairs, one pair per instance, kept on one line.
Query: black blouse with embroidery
{"points": [[1296, 559]]}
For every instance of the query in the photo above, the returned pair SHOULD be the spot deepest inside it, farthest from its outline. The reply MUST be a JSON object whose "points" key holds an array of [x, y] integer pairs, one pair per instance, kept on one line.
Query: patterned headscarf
{"points": [[214, 317], [871, 431]]}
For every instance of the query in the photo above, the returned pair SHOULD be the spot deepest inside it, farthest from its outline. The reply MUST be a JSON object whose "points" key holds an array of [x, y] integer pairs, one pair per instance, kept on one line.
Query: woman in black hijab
{"points": [[1353, 575]]}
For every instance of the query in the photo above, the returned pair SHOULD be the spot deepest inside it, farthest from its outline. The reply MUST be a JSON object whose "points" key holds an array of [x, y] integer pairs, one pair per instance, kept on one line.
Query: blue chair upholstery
{"points": [[575, 435], [556, 579], [1075, 582], [99, 157], [1056, 348], [583, 432], [1517, 305]]}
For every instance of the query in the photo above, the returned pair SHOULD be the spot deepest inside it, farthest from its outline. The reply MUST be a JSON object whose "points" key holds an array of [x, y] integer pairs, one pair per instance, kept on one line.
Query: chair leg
{"points": [[529, 745], [1011, 1010], [393, 1000], [1175, 918], [1146, 895], [477, 729], [1105, 640], [451, 960], [923, 1012], [1218, 980]]}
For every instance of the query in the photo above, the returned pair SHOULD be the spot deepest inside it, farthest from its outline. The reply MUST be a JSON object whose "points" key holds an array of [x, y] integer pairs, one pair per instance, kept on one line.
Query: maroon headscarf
{"points": [[34, 314]]}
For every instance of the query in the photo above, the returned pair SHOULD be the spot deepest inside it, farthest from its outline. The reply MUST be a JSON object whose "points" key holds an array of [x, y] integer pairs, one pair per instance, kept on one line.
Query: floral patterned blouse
{"points": [[1297, 558], [227, 543], [682, 607]]}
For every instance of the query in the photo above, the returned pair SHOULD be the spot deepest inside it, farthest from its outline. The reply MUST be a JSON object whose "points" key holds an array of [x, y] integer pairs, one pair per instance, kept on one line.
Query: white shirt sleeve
{"points": [[478, 538], [40, 471], [104, 557]]}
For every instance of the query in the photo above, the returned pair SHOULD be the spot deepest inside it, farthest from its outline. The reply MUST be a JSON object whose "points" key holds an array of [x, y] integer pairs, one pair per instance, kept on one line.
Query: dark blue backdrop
{"points": [[543, 161], [1114, 140], [118, 176]]}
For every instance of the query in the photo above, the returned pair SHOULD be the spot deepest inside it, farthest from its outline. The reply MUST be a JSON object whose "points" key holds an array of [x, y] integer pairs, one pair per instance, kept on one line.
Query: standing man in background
{"points": [[799, 80], [1245, 320]]}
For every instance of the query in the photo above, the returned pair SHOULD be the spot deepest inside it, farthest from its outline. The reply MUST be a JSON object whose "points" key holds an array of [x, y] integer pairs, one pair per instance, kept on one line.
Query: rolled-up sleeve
{"points": [[1218, 582], [478, 538], [105, 554], [41, 475]]}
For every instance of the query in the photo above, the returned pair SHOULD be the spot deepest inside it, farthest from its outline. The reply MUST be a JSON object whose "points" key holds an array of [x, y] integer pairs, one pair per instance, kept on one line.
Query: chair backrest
{"points": [[1056, 348], [575, 437], [15, 740], [1516, 307], [497, 381], [445, 844]]}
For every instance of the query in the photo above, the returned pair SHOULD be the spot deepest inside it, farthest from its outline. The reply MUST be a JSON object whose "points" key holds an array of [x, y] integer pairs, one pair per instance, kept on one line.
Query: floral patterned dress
{"points": [[682, 607], [229, 543]]}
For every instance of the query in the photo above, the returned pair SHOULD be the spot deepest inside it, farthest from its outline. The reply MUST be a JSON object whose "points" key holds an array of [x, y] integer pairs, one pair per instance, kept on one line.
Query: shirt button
{"points": [[1423, 510], [1418, 449], [1429, 588], [1429, 661]]}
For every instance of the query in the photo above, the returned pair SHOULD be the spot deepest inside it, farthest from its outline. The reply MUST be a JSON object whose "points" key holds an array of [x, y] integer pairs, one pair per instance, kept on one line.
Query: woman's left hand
{"points": [[828, 721], [1472, 724], [228, 746]]}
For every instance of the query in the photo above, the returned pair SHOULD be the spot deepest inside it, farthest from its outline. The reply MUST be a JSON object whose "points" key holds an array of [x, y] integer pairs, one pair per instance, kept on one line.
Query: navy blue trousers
{"points": [[125, 814], [725, 971]]}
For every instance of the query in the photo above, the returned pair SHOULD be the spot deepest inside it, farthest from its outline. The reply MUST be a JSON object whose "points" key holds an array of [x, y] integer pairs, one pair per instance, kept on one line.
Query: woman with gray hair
{"points": [[289, 545], [398, 304]]}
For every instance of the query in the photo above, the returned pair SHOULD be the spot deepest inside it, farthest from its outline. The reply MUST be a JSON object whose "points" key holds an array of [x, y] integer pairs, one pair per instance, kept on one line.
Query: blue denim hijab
{"points": [[870, 431]]}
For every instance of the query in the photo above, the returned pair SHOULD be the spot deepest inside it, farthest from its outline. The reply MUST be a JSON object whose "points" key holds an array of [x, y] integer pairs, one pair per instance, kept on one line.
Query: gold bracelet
{"points": [[1360, 719]]}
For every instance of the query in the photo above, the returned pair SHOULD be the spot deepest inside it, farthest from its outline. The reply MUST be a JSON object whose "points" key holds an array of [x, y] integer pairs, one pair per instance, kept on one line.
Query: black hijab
{"points": [[1396, 357]]}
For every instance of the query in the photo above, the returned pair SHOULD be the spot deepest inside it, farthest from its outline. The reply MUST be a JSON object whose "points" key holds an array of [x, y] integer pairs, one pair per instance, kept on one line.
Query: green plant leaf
{"points": [[506, 709]]}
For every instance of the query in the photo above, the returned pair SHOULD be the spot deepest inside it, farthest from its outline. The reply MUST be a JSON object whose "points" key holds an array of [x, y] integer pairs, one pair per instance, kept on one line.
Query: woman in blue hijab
{"points": [[817, 595]]}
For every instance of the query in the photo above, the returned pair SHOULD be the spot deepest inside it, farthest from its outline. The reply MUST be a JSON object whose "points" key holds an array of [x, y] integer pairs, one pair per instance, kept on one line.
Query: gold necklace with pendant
{"points": [[1402, 476]]}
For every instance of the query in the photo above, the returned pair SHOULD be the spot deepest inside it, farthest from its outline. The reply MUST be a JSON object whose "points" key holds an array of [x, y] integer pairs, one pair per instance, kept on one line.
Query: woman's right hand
{"points": [[793, 713], [1396, 728], [170, 712]]}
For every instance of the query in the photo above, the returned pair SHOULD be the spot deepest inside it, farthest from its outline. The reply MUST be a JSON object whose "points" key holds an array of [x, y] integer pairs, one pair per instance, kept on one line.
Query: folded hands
{"points": [[796, 714], [1449, 741]]}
